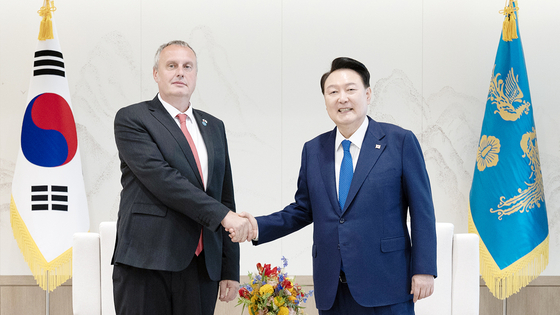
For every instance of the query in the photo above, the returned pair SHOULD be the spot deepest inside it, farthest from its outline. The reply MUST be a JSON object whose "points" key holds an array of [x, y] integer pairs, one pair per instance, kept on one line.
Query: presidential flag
{"points": [[507, 204], [48, 195]]}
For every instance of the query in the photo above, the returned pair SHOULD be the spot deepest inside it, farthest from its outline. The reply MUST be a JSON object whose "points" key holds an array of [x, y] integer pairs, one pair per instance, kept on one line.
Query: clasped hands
{"points": [[240, 226]]}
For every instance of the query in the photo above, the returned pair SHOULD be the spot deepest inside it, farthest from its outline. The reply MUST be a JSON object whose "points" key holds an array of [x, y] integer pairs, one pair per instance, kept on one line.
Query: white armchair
{"points": [[92, 272], [456, 288]]}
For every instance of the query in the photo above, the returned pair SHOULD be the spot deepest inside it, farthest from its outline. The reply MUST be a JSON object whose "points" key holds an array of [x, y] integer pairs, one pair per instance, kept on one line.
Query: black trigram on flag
{"points": [[48, 62], [42, 197]]}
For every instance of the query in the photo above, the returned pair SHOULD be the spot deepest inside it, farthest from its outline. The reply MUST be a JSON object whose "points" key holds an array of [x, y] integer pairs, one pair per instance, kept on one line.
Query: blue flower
{"points": [[284, 261]]}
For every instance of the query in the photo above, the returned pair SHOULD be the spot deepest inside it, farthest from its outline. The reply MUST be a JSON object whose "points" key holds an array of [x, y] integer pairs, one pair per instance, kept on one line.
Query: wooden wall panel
{"points": [[21, 295], [489, 305], [540, 297], [61, 301], [22, 300]]}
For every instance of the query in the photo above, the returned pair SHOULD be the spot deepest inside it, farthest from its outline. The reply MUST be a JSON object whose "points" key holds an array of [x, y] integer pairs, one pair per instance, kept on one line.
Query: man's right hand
{"points": [[254, 224], [240, 228]]}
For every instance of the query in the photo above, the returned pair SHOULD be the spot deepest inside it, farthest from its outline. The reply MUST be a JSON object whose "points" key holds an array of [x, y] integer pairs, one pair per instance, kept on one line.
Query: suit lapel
{"points": [[162, 115], [372, 148], [207, 137], [326, 162]]}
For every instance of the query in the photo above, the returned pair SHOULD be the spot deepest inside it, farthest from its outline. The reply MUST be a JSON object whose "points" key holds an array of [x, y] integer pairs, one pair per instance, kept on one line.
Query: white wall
{"points": [[259, 69]]}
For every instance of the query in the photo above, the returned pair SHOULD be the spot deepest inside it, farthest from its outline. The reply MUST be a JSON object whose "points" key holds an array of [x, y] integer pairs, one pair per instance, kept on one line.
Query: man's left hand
{"points": [[422, 286], [228, 290]]}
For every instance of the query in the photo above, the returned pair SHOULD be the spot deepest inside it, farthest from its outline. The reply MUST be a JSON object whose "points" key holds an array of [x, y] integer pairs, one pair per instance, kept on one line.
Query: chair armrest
{"points": [[86, 294], [466, 275]]}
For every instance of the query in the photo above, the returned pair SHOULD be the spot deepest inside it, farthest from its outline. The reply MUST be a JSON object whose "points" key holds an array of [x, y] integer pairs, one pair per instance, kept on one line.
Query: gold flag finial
{"points": [[46, 30], [509, 31]]}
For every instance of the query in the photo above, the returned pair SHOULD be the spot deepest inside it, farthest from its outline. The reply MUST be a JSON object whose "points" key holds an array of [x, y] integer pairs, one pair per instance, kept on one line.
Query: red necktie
{"points": [[183, 120]]}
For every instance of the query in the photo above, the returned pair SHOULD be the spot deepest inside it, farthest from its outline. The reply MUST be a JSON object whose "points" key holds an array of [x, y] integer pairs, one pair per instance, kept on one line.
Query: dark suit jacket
{"points": [[370, 234], [163, 204]]}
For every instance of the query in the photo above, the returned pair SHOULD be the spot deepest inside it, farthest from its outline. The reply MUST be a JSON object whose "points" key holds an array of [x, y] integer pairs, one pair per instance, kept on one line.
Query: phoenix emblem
{"points": [[507, 96], [533, 195]]}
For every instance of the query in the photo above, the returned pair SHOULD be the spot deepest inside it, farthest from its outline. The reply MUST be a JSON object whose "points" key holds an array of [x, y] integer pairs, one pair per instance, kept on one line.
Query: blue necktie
{"points": [[346, 173]]}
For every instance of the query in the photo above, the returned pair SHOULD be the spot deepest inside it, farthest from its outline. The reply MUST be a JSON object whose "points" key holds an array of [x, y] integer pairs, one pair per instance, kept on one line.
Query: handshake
{"points": [[241, 226]]}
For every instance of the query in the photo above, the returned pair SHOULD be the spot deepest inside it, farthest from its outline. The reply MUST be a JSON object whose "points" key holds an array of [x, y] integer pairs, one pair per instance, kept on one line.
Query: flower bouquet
{"points": [[271, 292]]}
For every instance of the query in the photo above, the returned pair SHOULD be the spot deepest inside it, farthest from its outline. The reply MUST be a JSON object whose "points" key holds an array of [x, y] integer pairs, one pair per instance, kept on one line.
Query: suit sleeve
{"points": [[138, 142], [294, 216], [230, 250], [418, 192]]}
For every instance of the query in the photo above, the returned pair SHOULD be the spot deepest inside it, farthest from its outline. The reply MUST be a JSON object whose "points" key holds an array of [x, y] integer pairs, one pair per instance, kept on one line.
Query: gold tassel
{"points": [[46, 30], [509, 30], [503, 283], [58, 271]]}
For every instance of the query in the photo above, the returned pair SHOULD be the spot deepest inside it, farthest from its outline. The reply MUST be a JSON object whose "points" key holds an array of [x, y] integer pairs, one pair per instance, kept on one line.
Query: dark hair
{"points": [[346, 63]]}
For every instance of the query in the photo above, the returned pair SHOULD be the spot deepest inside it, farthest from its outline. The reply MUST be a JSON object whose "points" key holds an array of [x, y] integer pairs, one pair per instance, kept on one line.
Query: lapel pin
{"points": [[204, 122], [378, 146]]}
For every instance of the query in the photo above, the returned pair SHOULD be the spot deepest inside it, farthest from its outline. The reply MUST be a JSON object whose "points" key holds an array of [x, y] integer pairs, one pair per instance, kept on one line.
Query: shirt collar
{"points": [[357, 138], [174, 111]]}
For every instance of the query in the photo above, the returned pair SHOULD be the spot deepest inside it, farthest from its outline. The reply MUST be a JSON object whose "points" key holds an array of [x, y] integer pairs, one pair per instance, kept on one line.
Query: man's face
{"points": [[347, 100], [176, 73]]}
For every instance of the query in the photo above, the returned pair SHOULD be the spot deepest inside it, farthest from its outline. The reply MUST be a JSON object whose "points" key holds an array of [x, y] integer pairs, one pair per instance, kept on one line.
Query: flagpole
{"points": [[47, 306]]}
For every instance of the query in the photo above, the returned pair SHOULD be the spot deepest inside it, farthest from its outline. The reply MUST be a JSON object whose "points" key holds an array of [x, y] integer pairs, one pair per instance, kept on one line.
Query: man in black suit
{"points": [[171, 254]]}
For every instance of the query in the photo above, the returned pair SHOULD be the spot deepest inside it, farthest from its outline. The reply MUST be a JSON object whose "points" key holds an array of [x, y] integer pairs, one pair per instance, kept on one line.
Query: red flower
{"points": [[286, 284], [272, 272], [267, 270], [244, 293]]}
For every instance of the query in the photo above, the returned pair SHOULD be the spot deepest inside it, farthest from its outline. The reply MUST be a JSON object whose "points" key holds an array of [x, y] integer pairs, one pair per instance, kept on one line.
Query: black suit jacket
{"points": [[163, 205]]}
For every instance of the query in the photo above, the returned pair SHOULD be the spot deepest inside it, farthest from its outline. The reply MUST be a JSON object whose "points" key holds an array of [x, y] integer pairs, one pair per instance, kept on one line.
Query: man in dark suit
{"points": [[356, 184], [171, 254]]}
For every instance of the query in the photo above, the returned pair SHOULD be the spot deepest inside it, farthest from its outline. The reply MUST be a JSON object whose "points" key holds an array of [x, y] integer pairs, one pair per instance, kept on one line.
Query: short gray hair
{"points": [[173, 42]]}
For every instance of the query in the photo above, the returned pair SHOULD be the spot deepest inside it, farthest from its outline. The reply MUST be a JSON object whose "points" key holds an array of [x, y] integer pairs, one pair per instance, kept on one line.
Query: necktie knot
{"points": [[182, 118], [346, 145]]}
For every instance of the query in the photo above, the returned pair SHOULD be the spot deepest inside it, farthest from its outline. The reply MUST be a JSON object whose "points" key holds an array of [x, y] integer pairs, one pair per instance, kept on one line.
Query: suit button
{"points": [[341, 220]]}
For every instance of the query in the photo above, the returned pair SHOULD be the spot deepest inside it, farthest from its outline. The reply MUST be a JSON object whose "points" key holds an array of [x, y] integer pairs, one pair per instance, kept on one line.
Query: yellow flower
{"points": [[267, 288], [279, 301], [283, 311], [291, 298], [487, 155], [253, 309]]}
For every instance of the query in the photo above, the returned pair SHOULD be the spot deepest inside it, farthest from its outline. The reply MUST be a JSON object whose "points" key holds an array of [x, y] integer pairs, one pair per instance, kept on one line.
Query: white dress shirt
{"points": [[192, 127], [357, 139]]}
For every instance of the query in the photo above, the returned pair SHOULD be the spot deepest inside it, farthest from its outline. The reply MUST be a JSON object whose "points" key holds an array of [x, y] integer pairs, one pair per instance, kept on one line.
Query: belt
{"points": [[342, 277]]}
